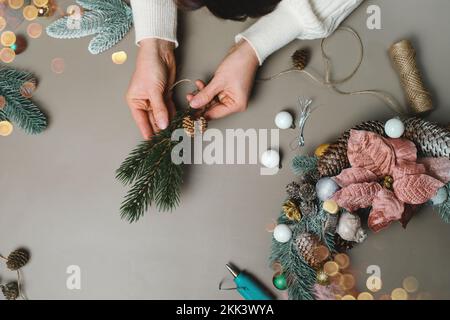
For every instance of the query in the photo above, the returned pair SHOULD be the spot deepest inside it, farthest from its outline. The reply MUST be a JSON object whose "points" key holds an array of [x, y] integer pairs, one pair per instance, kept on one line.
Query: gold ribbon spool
{"points": [[403, 56]]}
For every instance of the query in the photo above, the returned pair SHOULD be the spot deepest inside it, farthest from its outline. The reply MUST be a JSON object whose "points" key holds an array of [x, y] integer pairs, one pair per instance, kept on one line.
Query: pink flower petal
{"points": [[370, 151], [438, 168], [416, 189], [406, 168], [404, 149], [386, 208], [354, 175], [357, 196]]}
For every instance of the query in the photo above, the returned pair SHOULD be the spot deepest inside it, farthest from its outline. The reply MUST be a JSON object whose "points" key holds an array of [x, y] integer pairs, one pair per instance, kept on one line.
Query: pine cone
{"points": [[202, 124], [431, 139], [308, 207], [300, 59], [292, 190], [10, 290], [189, 126], [17, 259], [342, 245], [291, 211], [306, 244], [335, 158], [307, 192]]}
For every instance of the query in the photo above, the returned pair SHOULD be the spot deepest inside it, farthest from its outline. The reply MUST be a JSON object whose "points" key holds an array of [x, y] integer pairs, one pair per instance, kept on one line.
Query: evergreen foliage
{"points": [[444, 209], [19, 109], [108, 20], [303, 164]]}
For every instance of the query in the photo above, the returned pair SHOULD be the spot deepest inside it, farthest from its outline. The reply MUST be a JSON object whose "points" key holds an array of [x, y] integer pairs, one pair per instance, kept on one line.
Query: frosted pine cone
{"points": [[307, 192], [292, 190]]}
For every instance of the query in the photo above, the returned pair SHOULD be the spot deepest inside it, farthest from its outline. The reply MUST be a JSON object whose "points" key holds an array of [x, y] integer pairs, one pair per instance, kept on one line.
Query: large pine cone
{"points": [[306, 245], [335, 158], [10, 291], [17, 259], [431, 139]]}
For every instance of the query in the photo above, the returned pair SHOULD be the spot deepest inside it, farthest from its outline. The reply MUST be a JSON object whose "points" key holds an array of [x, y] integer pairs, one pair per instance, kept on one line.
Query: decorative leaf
{"points": [[406, 168], [354, 175], [416, 189], [386, 208], [438, 168], [404, 149], [357, 196], [370, 151]]}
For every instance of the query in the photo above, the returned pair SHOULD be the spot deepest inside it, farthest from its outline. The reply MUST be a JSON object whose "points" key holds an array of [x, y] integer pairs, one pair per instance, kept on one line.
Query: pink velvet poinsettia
{"points": [[373, 158]]}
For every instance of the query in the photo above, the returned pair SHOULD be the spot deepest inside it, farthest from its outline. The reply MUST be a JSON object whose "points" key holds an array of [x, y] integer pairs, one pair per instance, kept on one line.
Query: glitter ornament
{"points": [[326, 188], [284, 120], [282, 233], [280, 281], [394, 128], [322, 278], [270, 159], [440, 197]]}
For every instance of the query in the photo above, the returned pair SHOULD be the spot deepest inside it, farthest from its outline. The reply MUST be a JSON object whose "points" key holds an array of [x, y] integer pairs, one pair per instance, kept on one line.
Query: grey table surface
{"points": [[59, 197]]}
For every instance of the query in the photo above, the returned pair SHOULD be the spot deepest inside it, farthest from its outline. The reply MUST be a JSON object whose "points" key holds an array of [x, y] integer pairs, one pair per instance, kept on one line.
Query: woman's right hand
{"points": [[149, 96]]}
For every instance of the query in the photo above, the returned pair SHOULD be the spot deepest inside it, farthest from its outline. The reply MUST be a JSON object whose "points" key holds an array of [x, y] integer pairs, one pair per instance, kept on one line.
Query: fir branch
{"points": [[303, 164], [3, 116], [109, 20]]}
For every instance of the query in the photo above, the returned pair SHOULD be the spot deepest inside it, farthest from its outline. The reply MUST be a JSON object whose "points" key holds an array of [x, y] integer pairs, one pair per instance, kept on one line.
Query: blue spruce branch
{"points": [[108, 20], [303, 164]]}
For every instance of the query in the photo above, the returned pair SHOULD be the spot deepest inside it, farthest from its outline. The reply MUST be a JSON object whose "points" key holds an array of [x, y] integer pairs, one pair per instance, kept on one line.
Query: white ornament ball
{"points": [[284, 120], [282, 233], [326, 188], [394, 128], [440, 197], [270, 159]]}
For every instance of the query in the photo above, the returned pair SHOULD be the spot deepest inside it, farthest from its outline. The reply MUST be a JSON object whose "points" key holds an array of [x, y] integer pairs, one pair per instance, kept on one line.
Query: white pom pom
{"points": [[284, 120], [394, 128], [326, 188], [270, 159], [440, 197], [282, 233]]}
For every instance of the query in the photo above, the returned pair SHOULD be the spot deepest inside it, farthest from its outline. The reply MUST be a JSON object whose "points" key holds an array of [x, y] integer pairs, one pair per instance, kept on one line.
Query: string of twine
{"points": [[328, 81], [19, 281], [403, 56]]}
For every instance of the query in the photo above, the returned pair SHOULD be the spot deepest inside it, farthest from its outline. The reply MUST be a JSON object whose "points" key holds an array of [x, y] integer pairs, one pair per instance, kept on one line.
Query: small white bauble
{"points": [[326, 188], [282, 233], [394, 128], [440, 197], [270, 159], [284, 120]]}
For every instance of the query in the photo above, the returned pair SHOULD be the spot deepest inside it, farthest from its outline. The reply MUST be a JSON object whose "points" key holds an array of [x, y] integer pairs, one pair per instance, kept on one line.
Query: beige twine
{"points": [[403, 56]]}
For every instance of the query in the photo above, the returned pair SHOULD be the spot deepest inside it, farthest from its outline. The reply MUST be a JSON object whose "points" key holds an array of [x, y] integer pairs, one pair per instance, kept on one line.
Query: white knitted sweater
{"points": [[292, 19]]}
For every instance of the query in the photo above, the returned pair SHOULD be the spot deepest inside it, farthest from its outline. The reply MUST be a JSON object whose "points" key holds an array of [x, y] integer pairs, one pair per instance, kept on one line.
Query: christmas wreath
{"points": [[384, 171]]}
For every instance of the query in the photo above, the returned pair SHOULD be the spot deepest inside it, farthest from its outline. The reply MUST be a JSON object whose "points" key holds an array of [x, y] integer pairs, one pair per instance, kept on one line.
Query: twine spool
{"points": [[403, 56]]}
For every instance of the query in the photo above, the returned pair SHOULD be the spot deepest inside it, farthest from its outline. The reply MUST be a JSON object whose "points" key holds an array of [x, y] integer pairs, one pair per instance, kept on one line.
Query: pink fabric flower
{"points": [[372, 158]]}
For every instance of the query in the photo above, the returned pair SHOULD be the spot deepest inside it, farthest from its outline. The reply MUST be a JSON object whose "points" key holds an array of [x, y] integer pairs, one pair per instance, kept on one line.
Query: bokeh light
{"points": [[30, 13], [34, 30], [119, 57], [410, 284], [8, 38], [399, 294], [7, 55], [58, 65], [6, 128]]}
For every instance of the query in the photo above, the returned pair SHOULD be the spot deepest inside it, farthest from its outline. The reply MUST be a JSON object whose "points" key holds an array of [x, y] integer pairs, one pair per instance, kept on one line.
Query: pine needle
{"points": [[444, 208], [303, 164]]}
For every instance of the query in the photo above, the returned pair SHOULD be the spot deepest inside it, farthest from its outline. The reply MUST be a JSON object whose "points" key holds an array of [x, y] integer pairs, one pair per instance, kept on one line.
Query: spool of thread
{"points": [[403, 56]]}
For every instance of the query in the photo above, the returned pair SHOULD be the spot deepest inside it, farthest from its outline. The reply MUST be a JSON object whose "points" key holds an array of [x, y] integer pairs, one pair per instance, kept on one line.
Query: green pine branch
{"points": [[303, 164], [108, 20], [153, 177], [18, 108]]}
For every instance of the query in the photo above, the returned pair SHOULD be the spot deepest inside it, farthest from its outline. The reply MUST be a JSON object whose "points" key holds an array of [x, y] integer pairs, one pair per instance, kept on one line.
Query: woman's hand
{"points": [[149, 96], [231, 85]]}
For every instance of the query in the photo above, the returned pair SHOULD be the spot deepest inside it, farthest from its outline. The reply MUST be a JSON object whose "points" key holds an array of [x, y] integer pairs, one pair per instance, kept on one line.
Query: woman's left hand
{"points": [[231, 85]]}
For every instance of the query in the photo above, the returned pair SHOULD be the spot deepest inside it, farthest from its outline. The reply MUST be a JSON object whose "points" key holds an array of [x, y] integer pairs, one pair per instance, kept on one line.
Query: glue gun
{"points": [[248, 287]]}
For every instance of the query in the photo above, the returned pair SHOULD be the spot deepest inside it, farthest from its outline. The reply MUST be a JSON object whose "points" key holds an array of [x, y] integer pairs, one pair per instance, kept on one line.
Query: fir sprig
{"points": [[303, 164], [109, 20], [153, 176], [18, 108]]}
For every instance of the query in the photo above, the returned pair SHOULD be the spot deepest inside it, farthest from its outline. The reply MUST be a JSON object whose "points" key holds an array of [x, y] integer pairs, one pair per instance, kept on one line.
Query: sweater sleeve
{"points": [[296, 19], [155, 19]]}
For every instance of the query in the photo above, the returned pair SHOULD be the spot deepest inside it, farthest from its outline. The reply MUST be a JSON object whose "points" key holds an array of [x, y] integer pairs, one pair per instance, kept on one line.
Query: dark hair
{"points": [[232, 9]]}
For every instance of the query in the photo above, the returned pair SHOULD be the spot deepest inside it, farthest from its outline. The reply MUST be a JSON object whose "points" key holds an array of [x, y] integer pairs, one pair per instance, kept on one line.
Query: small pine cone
{"points": [[335, 157], [431, 139], [292, 190], [307, 192], [306, 245], [291, 211], [189, 126], [308, 208], [17, 259], [10, 291], [300, 59], [202, 124], [342, 245]]}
